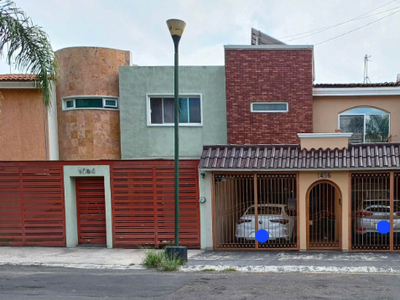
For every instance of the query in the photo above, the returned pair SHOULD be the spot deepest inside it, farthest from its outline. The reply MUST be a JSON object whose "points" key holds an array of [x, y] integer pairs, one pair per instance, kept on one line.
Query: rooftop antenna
{"points": [[366, 60]]}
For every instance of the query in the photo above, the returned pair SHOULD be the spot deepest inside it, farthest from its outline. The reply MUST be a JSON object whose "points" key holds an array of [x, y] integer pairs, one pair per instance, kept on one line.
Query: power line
{"points": [[334, 26], [316, 31], [358, 28], [327, 27]]}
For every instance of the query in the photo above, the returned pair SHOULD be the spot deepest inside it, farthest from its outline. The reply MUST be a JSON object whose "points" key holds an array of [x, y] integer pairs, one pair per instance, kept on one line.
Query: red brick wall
{"points": [[268, 76]]}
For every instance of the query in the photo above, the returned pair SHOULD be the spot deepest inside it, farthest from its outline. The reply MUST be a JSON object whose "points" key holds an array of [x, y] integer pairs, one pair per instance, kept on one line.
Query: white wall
{"points": [[52, 126], [206, 219]]}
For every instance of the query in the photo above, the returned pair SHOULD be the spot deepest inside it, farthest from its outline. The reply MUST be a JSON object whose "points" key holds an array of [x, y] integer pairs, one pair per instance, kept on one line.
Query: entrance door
{"points": [[91, 211], [324, 215]]}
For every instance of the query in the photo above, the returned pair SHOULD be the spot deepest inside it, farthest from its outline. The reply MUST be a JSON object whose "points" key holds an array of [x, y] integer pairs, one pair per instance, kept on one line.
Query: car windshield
{"points": [[380, 205], [378, 208], [265, 210]]}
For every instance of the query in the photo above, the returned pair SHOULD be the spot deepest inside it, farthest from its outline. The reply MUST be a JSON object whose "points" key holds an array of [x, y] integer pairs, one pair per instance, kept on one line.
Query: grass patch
{"points": [[208, 270], [229, 270], [153, 259], [159, 260]]}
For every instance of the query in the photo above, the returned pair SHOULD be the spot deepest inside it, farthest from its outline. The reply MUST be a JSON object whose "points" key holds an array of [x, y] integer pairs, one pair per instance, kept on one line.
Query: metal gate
{"points": [[247, 203], [91, 211], [324, 217], [374, 201]]}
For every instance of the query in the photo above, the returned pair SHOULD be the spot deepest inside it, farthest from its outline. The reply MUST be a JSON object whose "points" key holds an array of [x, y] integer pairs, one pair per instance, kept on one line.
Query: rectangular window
{"points": [[269, 107], [90, 102], [162, 110], [367, 124]]}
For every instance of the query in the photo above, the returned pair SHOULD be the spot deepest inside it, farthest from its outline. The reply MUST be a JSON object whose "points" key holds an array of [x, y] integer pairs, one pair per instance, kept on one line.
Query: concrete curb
{"points": [[77, 266], [298, 269], [221, 268]]}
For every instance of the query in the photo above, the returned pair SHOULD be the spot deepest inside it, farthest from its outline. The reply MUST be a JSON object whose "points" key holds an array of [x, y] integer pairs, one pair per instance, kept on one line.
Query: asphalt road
{"points": [[63, 283]]}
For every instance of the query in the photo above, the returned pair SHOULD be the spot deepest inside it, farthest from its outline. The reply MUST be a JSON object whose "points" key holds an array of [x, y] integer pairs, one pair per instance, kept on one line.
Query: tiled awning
{"points": [[291, 157], [17, 77]]}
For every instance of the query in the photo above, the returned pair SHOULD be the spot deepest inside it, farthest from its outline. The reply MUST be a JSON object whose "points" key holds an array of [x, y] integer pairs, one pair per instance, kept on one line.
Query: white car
{"points": [[371, 212], [274, 218]]}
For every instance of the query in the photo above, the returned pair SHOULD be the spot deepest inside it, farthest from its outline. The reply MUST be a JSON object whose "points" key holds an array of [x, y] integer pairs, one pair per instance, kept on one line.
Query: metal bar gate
{"points": [[375, 211], [324, 217], [246, 203]]}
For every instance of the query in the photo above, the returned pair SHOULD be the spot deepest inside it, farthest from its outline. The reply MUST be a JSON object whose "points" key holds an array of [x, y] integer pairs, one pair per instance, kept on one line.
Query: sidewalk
{"points": [[84, 258], [309, 262], [199, 260]]}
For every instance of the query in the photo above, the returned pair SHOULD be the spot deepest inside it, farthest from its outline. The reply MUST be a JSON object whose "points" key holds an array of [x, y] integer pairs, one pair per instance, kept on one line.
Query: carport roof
{"points": [[292, 157]]}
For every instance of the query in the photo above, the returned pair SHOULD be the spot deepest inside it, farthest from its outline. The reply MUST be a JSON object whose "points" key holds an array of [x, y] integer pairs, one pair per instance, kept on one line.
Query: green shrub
{"points": [[162, 262], [152, 259]]}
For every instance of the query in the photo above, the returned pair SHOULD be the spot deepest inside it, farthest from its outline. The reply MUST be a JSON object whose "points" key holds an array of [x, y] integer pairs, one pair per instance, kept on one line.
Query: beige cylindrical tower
{"points": [[88, 132]]}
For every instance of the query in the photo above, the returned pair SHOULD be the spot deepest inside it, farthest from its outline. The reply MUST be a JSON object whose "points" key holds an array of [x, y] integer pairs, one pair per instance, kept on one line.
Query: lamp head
{"points": [[176, 28]]}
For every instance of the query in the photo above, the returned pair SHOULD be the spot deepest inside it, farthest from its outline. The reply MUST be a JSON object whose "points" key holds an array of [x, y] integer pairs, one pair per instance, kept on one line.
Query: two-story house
{"points": [[262, 147]]}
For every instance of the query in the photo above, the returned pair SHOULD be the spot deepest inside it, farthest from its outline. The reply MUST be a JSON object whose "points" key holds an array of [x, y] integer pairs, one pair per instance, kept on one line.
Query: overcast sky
{"points": [[139, 26]]}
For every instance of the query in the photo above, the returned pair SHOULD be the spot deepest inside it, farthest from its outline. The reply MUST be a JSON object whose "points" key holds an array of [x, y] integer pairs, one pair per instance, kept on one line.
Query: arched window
{"points": [[367, 124]]}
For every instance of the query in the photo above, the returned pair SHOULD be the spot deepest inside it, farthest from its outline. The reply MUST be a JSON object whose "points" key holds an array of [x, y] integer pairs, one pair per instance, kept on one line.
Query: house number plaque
{"points": [[87, 171], [324, 175]]}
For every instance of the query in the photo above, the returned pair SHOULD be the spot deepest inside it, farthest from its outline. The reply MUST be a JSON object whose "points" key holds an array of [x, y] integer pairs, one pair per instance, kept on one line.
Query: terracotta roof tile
{"points": [[291, 157], [17, 77], [355, 85]]}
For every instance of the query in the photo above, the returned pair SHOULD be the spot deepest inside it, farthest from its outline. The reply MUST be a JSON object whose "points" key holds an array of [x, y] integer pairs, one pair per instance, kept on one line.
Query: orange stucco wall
{"points": [[326, 110], [89, 133], [306, 180], [316, 143], [22, 125]]}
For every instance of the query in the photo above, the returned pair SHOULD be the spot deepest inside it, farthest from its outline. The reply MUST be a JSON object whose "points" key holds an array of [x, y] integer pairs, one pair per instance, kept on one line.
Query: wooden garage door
{"points": [[32, 206], [143, 204], [91, 211]]}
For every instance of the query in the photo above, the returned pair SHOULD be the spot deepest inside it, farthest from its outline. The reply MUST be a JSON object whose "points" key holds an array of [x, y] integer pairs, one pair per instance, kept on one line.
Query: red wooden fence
{"points": [[143, 204], [142, 193], [32, 206]]}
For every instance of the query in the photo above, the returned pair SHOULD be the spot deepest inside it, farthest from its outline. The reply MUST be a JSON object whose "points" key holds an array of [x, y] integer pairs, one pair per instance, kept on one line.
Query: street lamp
{"points": [[176, 28]]}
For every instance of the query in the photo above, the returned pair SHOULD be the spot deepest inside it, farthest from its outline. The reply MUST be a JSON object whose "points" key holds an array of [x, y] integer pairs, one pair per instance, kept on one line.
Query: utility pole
{"points": [[366, 60]]}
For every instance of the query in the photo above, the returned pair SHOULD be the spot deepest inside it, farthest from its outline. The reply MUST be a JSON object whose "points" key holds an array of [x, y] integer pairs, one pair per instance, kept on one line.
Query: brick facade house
{"points": [[268, 74]]}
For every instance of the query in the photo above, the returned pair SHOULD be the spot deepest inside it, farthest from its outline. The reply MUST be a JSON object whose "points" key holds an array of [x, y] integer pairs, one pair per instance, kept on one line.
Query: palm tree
{"points": [[27, 46]]}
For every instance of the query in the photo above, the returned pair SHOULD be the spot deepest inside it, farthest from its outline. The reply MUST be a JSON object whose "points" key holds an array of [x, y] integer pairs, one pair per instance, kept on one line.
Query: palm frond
{"points": [[28, 45]]}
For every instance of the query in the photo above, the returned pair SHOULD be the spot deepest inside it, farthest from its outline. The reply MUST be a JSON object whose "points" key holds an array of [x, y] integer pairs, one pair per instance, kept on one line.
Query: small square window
{"points": [[69, 103], [110, 103]]}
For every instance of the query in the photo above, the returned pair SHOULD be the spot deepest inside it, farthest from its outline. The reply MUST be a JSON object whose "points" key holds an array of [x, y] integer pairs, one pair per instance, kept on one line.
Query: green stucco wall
{"points": [[138, 140]]}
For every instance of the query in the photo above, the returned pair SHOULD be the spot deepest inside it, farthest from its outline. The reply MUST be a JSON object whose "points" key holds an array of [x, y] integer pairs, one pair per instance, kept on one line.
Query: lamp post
{"points": [[176, 28]]}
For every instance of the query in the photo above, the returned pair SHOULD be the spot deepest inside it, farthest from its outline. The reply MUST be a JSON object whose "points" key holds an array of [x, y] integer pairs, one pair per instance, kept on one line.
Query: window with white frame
{"points": [[161, 110], [269, 107], [90, 102], [367, 124]]}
